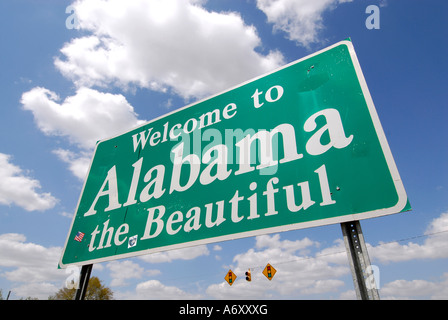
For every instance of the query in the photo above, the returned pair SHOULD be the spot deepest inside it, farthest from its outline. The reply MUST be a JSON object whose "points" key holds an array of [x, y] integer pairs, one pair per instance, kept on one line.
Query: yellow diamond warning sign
{"points": [[269, 271], [230, 277]]}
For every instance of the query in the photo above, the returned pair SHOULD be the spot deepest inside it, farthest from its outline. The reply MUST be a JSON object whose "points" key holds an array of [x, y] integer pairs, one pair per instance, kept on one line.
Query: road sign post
{"points": [[299, 147], [363, 278], [84, 278]]}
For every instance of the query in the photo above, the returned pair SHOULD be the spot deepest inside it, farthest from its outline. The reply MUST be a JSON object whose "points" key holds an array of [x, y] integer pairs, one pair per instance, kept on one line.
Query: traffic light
{"points": [[248, 275]]}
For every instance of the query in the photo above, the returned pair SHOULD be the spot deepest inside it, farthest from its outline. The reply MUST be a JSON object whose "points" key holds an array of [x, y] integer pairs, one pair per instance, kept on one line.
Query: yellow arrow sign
{"points": [[269, 271], [230, 277]]}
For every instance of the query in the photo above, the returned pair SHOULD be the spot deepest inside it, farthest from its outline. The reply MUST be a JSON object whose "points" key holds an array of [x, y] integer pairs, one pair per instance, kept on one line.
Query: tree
{"points": [[95, 291]]}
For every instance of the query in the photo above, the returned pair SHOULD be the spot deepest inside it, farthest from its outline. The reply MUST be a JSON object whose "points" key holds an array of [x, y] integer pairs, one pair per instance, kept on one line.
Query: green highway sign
{"points": [[299, 147]]}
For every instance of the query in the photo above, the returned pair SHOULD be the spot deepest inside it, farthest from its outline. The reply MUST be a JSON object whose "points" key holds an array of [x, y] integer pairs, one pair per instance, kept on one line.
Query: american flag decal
{"points": [[79, 236]]}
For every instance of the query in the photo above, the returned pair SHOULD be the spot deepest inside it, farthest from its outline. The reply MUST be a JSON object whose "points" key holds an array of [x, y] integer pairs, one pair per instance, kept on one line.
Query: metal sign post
{"points": [[83, 282], [358, 257]]}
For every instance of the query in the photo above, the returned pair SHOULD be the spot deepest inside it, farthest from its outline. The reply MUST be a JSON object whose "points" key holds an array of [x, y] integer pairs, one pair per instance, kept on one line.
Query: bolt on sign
{"points": [[299, 147]]}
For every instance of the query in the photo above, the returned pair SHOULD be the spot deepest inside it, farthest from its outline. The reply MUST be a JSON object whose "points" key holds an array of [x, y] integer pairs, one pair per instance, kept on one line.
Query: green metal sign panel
{"points": [[299, 147]]}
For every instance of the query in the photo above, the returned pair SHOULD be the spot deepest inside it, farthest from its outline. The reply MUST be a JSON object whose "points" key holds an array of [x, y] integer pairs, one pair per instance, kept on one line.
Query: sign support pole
{"points": [[83, 281], [358, 257]]}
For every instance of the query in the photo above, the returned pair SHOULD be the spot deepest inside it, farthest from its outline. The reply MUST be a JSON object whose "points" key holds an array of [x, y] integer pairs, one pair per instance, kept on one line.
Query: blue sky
{"points": [[59, 78]]}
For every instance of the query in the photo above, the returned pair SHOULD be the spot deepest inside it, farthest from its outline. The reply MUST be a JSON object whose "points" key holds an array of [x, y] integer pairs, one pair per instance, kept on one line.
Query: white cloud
{"points": [[34, 267], [335, 254], [438, 225], [39, 290], [178, 254], [267, 241], [434, 246], [300, 19], [416, 289], [155, 290], [159, 45], [84, 118], [78, 163], [123, 270], [19, 189]]}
